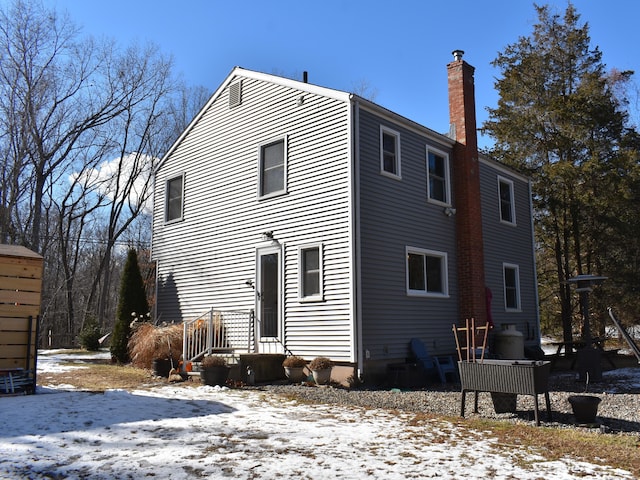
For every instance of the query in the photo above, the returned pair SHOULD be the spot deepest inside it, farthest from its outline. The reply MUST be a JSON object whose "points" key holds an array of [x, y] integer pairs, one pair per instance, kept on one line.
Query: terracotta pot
{"points": [[295, 374], [321, 377], [585, 407]]}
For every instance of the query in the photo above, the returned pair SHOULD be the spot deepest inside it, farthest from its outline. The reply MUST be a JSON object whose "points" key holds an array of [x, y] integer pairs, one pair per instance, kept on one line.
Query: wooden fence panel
{"points": [[20, 295]]}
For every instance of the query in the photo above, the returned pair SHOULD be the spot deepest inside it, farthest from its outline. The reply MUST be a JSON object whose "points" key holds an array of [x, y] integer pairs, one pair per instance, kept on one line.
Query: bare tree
{"points": [[81, 125]]}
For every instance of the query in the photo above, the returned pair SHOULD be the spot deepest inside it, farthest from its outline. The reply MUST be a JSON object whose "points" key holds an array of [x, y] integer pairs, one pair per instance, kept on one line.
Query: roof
{"points": [[17, 251]]}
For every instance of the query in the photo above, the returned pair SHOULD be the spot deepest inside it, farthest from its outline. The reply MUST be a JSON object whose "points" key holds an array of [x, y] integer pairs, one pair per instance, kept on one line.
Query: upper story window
{"points": [[511, 286], [174, 190], [389, 152], [438, 177], [507, 204], [273, 167], [310, 273], [427, 272]]}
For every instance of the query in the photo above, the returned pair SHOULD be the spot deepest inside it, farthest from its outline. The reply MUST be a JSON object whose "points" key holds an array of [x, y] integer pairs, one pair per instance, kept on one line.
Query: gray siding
{"points": [[206, 259], [395, 214], [504, 243]]}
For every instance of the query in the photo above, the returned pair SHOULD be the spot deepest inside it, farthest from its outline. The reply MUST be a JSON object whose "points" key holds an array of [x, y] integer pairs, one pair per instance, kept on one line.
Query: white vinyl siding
{"points": [[390, 152], [207, 259], [438, 187]]}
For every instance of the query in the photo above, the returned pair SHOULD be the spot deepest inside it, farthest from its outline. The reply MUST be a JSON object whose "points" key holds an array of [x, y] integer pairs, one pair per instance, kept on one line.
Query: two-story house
{"points": [[347, 228]]}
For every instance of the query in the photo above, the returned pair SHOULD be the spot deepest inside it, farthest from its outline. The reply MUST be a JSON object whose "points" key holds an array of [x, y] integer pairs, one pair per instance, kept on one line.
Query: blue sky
{"points": [[399, 48]]}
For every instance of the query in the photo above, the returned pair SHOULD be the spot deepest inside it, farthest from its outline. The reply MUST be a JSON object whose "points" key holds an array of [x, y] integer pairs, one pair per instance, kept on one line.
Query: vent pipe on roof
{"points": [[457, 55], [305, 77]]}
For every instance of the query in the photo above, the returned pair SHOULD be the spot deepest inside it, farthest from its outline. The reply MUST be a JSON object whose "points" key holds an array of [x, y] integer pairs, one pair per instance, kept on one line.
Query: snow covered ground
{"points": [[179, 431]]}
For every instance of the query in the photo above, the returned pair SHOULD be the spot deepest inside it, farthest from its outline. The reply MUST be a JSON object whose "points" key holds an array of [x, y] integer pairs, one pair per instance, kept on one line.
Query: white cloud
{"points": [[112, 178]]}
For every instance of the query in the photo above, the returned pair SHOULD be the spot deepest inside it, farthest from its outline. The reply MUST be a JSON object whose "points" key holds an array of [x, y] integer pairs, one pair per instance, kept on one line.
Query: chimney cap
{"points": [[457, 55]]}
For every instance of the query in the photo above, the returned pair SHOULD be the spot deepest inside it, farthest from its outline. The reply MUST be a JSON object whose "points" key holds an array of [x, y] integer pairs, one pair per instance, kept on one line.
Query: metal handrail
{"points": [[215, 331]]}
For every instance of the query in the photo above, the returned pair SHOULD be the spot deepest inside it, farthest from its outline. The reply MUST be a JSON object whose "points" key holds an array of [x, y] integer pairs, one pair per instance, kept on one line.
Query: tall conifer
{"points": [[132, 303]]}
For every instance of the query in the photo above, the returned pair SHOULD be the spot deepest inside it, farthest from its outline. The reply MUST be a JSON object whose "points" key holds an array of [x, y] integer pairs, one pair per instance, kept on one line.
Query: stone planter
{"points": [[321, 377], [213, 376], [517, 377], [585, 407], [295, 374]]}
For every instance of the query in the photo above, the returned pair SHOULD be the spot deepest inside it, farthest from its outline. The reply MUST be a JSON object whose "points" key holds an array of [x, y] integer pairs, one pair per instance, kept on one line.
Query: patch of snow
{"points": [[185, 431]]}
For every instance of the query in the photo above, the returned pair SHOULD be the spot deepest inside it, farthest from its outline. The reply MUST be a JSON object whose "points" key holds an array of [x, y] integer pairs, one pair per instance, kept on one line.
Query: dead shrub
{"points": [[150, 342]]}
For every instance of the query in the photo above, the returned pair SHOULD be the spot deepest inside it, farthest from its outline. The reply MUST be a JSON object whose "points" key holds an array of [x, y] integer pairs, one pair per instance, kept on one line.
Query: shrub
{"points": [[132, 301], [150, 342], [294, 361], [213, 361], [90, 335], [320, 363]]}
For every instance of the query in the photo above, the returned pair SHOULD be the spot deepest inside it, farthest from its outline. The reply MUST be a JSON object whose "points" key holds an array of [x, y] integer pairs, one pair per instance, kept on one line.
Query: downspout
{"points": [[355, 235]]}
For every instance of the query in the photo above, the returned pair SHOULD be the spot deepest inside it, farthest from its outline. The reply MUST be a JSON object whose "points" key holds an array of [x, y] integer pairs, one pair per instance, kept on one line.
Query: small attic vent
{"points": [[235, 94]]}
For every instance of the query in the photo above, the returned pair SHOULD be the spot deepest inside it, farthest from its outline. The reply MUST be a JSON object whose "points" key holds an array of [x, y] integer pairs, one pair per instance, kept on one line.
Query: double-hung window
{"points": [[310, 276], [273, 168], [438, 177], [389, 152], [505, 197], [511, 287], [426, 272], [174, 190]]}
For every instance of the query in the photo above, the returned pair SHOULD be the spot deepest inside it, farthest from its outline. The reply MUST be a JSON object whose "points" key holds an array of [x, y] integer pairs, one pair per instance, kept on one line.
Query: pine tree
{"points": [[559, 121], [132, 303]]}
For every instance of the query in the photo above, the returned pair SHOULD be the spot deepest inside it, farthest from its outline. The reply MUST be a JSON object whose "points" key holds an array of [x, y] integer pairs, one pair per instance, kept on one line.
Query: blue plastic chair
{"points": [[442, 364]]}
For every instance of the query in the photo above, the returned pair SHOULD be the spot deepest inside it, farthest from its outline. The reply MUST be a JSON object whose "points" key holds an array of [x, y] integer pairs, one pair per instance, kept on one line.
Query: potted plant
{"points": [[294, 368], [214, 370], [321, 369]]}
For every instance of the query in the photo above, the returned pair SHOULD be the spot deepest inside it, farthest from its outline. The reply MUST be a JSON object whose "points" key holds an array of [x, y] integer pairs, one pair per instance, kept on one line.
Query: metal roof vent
{"points": [[457, 55], [235, 94]]}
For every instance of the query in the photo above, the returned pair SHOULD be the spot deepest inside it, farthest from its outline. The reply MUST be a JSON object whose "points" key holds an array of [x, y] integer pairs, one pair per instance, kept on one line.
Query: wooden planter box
{"points": [[520, 377]]}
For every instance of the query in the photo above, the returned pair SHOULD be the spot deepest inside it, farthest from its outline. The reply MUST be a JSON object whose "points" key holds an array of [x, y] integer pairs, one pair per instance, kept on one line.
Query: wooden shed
{"points": [[20, 292]]}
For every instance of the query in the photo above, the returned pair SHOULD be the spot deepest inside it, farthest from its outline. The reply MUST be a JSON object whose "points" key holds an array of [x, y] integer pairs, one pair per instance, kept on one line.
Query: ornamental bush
{"points": [[132, 304]]}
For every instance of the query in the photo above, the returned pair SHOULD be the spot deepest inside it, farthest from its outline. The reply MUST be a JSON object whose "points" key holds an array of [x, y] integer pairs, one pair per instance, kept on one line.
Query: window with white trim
{"points": [[174, 190], [507, 204], [438, 177], [310, 273], [389, 152], [511, 275], [427, 272], [273, 168]]}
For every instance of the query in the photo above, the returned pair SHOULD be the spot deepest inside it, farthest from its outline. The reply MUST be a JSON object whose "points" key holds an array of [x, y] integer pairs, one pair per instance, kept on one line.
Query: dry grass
{"points": [[101, 375], [150, 342], [619, 451]]}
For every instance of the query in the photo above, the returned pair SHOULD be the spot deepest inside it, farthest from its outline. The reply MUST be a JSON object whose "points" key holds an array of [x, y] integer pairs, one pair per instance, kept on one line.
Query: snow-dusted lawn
{"points": [[204, 432]]}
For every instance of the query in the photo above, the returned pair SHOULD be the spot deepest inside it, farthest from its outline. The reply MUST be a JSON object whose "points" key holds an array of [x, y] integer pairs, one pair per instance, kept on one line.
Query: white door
{"points": [[269, 299]]}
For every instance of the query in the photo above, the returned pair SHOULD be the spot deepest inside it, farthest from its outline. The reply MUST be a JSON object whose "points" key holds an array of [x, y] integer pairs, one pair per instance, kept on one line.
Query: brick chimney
{"points": [[466, 184]]}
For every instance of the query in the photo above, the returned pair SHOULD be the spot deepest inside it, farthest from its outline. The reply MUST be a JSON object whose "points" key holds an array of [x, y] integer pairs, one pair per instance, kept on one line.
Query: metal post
{"points": [[588, 358]]}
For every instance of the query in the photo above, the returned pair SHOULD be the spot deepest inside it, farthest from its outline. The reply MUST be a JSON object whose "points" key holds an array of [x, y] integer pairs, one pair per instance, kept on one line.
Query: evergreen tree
{"points": [[559, 121], [131, 304]]}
